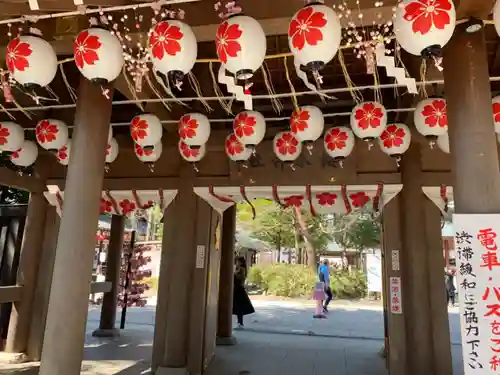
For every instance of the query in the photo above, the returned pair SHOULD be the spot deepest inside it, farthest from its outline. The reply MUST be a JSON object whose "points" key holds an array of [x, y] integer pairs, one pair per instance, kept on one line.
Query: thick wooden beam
{"points": [[12, 179], [10, 293], [473, 8]]}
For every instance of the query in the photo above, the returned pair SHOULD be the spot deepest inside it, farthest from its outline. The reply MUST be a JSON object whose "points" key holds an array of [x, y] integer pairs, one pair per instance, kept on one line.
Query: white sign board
{"points": [[395, 293], [395, 260], [200, 256], [478, 273], [374, 272]]}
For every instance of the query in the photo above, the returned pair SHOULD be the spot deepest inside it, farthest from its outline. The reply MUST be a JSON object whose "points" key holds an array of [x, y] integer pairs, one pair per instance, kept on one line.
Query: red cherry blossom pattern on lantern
{"points": [[85, 49], [298, 122], [326, 199], [108, 149], [287, 144], [62, 153], [105, 206], [425, 14], [393, 136], [139, 128], [293, 201], [165, 38], [435, 114], [244, 124], [126, 206], [189, 152], [496, 112], [46, 132], [306, 28], [15, 154], [16, 56], [336, 139], [187, 127], [359, 199], [4, 134], [369, 116], [233, 146], [142, 152], [227, 41]]}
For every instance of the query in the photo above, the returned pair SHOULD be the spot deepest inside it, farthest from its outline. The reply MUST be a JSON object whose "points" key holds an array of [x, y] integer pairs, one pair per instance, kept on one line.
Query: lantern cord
{"points": [[6, 111], [157, 93], [220, 198], [71, 91], [131, 88], [423, 77], [168, 90], [21, 109], [195, 85], [54, 95], [217, 90], [290, 84], [345, 198], [245, 197], [276, 103], [376, 83], [355, 92]]}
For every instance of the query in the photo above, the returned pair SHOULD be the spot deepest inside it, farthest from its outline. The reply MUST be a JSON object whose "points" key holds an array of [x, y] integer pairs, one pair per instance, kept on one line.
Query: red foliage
{"points": [[138, 273]]}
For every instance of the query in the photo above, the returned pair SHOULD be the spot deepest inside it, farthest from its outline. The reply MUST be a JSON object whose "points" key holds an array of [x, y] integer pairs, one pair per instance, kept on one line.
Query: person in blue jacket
{"points": [[324, 276]]}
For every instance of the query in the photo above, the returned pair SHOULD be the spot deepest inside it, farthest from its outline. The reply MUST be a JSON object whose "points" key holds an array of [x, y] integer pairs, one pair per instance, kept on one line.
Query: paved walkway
{"points": [[345, 344]]}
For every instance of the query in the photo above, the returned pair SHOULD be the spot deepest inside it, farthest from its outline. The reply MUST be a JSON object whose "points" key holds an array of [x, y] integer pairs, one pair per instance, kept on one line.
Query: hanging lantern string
{"points": [[309, 199], [245, 197], [347, 204], [290, 84], [276, 103], [195, 85], [220, 198], [276, 196], [351, 87], [423, 75]]}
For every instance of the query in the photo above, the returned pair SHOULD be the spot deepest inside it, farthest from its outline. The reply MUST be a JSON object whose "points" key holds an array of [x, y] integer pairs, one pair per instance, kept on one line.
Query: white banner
{"points": [[476, 243], [374, 271]]}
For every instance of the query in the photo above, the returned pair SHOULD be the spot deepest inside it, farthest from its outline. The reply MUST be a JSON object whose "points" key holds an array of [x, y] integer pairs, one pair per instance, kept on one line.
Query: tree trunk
{"points": [[311, 253], [278, 248], [298, 250]]}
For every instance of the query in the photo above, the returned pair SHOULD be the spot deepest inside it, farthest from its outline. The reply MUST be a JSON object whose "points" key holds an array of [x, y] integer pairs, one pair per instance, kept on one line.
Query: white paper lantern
{"points": [[64, 153], [110, 133], [368, 120], [314, 35], [307, 124], [339, 142], [148, 155], [194, 129], [430, 117], [249, 128], [26, 155], [98, 55], [286, 147], [424, 27], [11, 136], [496, 112], [173, 48], [146, 130], [496, 16], [235, 150], [443, 142], [241, 45], [191, 154], [112, 151], [31, 60], [51, 134], [395, 140]]}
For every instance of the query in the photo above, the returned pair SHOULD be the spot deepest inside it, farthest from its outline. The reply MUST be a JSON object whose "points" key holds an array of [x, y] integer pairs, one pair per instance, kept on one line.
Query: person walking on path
{"points": [[450, 287], [324, 277], [241, 303]]}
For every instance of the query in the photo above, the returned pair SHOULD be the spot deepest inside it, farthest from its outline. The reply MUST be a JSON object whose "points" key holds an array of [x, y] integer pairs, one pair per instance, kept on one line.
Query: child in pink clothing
{"points": [[319, 296]]}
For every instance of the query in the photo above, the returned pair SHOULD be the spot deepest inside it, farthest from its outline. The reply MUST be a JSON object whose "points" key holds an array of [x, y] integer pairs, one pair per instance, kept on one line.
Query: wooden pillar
{"points": [[226, 280], [170, 343], [396, 349], [68, 304], [113, 263], [416, 301], [31, 250], [437, 291], [473, 142], [43, 285]]}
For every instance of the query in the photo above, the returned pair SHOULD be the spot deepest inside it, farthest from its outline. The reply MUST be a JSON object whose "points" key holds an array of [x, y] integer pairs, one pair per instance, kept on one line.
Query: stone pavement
{"points": [[280, 337]]}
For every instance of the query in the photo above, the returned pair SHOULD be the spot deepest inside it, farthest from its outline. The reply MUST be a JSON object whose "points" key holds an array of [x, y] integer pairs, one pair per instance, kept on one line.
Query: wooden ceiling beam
{"points": [[473, 8]]}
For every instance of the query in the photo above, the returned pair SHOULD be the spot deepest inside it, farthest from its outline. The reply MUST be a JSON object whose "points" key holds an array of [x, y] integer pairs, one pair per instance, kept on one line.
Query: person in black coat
{"points": [[241, 303]]}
